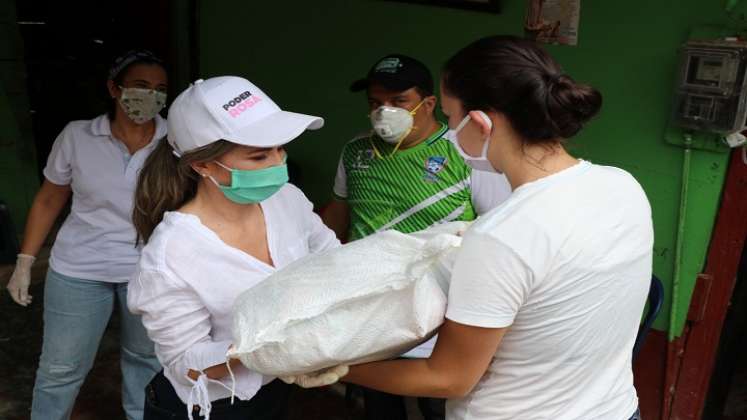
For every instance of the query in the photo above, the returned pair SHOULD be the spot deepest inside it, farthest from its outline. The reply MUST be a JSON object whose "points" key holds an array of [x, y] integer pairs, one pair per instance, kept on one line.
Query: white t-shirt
{"points": [[565, 263], [188, 278], [97, 239]]}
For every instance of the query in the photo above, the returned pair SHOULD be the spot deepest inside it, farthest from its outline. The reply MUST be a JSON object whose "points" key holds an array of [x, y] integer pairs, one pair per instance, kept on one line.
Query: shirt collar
{"points": [[441, 132], [101, 126]]}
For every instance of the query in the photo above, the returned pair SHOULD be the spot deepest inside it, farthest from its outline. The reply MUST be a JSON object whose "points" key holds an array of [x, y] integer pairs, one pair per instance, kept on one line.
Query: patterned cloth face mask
{"points": [[142, 105]]}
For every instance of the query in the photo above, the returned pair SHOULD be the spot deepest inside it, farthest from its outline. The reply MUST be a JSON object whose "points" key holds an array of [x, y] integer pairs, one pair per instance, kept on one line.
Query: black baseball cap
{"points": [[397, 72]]}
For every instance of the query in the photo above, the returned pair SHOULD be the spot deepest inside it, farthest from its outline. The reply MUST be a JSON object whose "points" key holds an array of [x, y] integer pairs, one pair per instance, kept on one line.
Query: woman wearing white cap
{"points": [[218, 216], [95, 164]]}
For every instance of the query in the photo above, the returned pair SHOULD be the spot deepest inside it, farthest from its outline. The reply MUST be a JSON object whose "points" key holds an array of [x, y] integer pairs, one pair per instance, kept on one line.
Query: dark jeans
{"points": [[382, 406], [270, 403]]}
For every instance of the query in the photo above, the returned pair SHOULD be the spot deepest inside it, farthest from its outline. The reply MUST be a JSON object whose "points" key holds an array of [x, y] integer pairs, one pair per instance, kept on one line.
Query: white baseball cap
{"points": [[234, 109]]}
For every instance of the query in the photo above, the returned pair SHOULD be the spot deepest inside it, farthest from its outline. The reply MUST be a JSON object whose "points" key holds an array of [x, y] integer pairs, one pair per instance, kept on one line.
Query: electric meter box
{"points": [[711, 94]]}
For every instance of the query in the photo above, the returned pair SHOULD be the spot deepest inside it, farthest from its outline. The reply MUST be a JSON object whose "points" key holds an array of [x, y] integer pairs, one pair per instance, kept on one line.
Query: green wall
{"points": [[305, 54]]}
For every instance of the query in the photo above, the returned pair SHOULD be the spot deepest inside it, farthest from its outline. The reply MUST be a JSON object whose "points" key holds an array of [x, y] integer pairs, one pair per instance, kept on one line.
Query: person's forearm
{"points": [[337, 218], [460, 358], [215, 372], [41, 217], [414, 378], [341, 230]]}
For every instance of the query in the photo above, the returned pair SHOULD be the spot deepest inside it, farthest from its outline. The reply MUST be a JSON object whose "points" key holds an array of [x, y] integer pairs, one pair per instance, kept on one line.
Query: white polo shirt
{"points": [[188, 279], [565, 264], [97, 239]]}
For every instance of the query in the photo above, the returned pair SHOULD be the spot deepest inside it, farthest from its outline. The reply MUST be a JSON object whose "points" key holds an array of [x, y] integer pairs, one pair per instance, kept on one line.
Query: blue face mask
{"points": [[253, 186]]}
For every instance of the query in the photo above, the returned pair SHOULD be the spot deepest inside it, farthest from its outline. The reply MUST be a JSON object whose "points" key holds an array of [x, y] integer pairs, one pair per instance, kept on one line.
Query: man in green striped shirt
{"points": [[412, 183], [406, 175]]}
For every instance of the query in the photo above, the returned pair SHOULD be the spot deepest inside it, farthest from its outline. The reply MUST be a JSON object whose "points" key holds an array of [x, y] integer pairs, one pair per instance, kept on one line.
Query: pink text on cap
{"points": [[241, 103]]}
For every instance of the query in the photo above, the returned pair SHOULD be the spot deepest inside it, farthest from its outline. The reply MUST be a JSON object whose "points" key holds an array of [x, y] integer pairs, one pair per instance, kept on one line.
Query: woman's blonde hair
{"points": [[167, 182]]}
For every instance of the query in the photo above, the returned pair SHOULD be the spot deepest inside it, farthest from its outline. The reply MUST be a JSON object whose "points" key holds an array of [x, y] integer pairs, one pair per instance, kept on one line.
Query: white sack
{"points": [[371, 299]]}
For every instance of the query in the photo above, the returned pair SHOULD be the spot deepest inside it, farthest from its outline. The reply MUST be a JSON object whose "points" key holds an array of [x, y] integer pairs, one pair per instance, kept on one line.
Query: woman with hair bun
{"points": [[548, 289]]}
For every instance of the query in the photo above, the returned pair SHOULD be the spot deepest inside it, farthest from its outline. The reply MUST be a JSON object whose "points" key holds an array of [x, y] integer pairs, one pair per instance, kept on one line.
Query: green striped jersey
{"points": [[408, 191]]}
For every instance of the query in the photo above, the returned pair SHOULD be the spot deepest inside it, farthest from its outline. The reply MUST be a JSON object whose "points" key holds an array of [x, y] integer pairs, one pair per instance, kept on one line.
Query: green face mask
{"points": [[253, 186]]}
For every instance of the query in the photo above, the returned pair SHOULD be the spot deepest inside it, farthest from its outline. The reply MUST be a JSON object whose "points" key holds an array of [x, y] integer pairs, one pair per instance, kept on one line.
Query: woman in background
{"points": [[96, 162]]}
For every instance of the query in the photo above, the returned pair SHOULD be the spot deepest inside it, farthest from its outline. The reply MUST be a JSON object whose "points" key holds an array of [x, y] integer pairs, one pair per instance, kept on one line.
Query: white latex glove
{"points": [[323, 377], [18, 286]]}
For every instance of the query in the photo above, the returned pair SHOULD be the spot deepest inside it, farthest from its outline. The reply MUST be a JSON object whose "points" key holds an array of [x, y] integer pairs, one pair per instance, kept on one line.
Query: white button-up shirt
{"points": [[188, 279], [97, 240]]}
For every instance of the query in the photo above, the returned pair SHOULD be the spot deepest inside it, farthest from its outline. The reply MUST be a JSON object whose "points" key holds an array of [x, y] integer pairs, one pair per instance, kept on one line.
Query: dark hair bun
{"points": [[570, 105], [520, 79]]}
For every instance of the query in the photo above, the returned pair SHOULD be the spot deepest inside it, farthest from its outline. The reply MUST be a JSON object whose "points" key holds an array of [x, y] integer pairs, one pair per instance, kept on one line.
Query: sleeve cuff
{"points": [[479, 320], [204, 355], [55, 179]]}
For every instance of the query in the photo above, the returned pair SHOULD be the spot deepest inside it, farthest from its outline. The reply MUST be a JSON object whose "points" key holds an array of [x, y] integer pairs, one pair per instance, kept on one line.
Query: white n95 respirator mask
{"points": [[393, 124]]}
